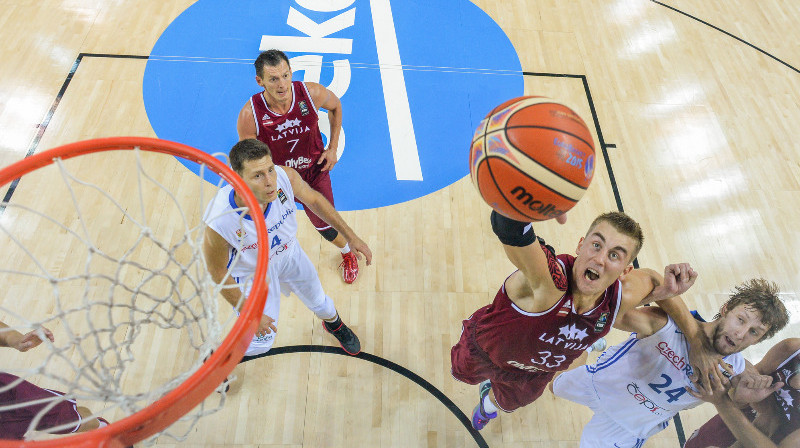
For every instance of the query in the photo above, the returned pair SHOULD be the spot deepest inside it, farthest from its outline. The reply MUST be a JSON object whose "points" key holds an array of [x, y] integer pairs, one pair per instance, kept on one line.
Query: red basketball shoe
{"points": [[349, 267]]}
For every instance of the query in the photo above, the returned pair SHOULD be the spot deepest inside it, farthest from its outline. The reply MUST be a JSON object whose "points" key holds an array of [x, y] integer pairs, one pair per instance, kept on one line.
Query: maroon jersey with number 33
{"points": [[518, 341]]}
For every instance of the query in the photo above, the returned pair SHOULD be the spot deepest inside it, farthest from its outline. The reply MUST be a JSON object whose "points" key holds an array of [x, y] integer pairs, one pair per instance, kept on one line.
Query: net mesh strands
{"points": [[106, 251]]}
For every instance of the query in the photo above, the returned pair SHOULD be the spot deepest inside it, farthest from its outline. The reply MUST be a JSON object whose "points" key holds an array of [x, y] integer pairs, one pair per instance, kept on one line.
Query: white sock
{"points": [[346, 248], [488, 406]]}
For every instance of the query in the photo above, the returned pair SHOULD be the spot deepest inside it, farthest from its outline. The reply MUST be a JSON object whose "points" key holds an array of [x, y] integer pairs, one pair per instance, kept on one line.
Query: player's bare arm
{"points": [[215, 252], [777, 354], [246, 123], [644, 321], [746, 433], [324, 209], [532, 288], [325, 99], [23, 342]]}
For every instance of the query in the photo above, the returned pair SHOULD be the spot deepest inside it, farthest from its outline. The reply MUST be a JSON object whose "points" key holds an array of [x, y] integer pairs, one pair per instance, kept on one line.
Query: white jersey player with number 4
{"points": [[637, 386], [231, 245]]}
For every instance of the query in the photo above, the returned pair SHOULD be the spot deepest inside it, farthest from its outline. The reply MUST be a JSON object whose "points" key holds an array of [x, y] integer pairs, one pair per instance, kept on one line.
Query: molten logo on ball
{"points": [[532, 158], [527, 200]]}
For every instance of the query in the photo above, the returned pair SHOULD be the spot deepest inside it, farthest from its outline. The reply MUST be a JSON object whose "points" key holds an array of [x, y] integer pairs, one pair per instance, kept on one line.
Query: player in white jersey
{"points": [[637, 386], [230, 241]]}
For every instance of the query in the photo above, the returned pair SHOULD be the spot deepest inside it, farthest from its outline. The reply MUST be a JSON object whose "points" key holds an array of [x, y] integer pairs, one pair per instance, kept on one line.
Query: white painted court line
{"points": [[398, 112]]}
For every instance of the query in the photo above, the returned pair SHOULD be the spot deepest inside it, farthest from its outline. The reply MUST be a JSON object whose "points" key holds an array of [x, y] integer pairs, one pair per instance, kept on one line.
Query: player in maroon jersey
{"points": [[773, 417], [15, 423], [284, 116], [553, 308]]}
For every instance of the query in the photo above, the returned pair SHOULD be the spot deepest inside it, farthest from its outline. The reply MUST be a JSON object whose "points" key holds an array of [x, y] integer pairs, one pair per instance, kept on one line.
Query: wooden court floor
{"points": [[697, 104]]}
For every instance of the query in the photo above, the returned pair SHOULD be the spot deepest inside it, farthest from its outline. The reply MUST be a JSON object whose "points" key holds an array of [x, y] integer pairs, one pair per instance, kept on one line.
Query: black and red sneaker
{"points": [[347, 339]]}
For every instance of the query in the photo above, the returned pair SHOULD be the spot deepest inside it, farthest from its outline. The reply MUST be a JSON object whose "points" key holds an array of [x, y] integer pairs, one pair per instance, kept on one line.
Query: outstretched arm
{"points": [[324, 98], [746, 433], [524, 251], [324, 209]]}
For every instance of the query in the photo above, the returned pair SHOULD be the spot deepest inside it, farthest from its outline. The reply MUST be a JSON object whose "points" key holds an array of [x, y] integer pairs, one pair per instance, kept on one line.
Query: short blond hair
{"points": [[625, 225]]}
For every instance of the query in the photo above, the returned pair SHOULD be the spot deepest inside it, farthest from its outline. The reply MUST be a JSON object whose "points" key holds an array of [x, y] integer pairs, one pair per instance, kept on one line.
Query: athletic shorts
{"points": [[14, 423], [320, 182], [601, 431], [511, 390], [715, 433], [291, 272]]}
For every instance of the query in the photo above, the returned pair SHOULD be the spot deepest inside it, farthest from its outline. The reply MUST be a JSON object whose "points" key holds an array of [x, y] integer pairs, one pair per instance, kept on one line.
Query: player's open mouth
{"points": [[729, 341], [591, 274]]}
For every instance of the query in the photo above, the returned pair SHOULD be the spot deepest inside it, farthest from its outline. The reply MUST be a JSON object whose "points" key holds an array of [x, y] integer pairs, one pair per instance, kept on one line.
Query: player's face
{"points": [[738, 329], [277, 82], [603, 256], [261, 177]]}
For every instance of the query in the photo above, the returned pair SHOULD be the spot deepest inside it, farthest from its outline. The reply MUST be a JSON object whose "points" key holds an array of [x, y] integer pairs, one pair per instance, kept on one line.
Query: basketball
{"points": [[532, 158]]}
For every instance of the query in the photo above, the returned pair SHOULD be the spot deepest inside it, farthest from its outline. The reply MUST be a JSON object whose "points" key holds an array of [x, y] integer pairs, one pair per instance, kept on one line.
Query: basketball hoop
{"points": [[182, 271]]}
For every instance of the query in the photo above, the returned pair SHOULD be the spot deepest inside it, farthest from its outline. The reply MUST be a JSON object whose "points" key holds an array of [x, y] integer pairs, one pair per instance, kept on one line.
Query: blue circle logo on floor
{"points": [[405, 133]]}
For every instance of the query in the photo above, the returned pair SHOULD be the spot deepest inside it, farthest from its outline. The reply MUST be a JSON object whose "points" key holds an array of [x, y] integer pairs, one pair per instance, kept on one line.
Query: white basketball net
{"points": [[110, 259]]}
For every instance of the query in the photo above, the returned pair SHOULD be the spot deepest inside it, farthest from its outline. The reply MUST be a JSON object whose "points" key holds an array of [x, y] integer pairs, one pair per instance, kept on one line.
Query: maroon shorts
{"points": [[14, 423], [715, 433], [321, 182], [512, 390]]}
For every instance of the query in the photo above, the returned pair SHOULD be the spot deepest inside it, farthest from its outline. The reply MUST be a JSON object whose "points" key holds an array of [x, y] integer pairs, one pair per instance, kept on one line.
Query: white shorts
{"points": [[602, 431], [291, 272]]}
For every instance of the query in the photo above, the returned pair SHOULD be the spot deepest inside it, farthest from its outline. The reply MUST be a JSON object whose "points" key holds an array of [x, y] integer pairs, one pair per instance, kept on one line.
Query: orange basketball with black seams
{"points": [[532, 158]]}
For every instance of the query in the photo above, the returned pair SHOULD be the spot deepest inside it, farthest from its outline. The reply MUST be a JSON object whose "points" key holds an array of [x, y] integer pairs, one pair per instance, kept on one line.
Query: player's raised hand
{"points": [[359, 247], [328, 158], [32, 339], [706, 363], [716, 394], [753, 389], [678, 278]]}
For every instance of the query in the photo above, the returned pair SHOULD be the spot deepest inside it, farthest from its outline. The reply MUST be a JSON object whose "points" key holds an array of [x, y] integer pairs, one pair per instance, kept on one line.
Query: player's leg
{"points": [[507, 396], [302, 279], [349, 265]]}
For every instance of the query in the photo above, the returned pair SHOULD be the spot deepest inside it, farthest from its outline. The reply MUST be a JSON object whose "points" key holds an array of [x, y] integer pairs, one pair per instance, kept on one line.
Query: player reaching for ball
{"points": [[549, 311], [531, 159]]}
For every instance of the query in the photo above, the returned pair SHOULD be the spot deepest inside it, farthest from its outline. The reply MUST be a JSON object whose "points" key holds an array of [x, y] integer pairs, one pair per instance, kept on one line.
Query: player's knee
{"points": [[329, 234]]}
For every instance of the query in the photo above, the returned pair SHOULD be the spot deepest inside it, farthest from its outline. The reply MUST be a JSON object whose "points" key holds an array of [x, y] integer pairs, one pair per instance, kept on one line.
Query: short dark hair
{"points": [[272, 58], [245, 150], [624, 225], [761, 296]]}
